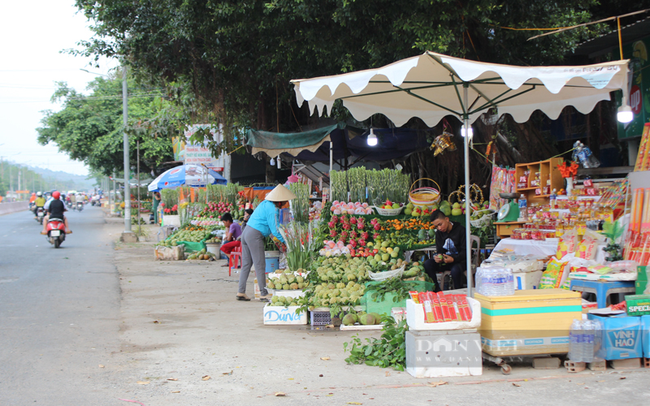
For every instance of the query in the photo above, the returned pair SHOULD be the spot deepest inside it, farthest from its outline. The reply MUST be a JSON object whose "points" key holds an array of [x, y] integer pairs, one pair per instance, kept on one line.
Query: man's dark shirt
{"points": [[457, 243], [56, 209]]}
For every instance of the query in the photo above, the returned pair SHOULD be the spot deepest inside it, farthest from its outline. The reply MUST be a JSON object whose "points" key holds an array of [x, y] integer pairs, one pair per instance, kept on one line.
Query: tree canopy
{"points": [[236, 57], [90, 128]]}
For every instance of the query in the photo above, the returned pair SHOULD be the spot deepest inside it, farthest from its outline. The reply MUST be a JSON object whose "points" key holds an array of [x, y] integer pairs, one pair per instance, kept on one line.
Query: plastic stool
{"points": [[235, 259], [602, 289]]}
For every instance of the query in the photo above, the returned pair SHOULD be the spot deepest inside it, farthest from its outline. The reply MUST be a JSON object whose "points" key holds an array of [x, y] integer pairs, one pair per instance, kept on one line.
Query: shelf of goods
{"points": [[530, 322], [545, 173]]}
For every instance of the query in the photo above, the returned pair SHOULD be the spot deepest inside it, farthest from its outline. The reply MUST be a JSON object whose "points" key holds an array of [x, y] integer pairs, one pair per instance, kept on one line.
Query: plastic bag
{"points": [[567, 244], [588, 247], [554, 275]]}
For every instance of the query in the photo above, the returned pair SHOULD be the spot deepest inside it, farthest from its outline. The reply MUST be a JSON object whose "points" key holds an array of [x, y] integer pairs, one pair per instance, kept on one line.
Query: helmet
{"points": [[39, 194], [56, 194]]}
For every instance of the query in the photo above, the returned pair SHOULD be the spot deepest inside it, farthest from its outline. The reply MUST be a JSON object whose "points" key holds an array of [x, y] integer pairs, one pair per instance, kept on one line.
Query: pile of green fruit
{"points": [[365, 319], [287, 280], [283, 301], [342, 294], [342, 268], [186, 235], [202, 255], [413, 270]]}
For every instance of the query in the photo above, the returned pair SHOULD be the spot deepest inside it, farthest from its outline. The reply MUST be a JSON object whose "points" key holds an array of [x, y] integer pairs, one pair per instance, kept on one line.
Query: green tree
{"points": [[231, 61], [90, 128]]}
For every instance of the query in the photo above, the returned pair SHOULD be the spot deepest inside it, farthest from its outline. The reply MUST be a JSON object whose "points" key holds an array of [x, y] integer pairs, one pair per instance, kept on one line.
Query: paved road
{"points": [[59, 312]]}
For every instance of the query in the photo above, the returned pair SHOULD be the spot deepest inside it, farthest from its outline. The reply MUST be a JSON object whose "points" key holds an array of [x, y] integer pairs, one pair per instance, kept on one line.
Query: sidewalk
{"points": [[182, 324]]}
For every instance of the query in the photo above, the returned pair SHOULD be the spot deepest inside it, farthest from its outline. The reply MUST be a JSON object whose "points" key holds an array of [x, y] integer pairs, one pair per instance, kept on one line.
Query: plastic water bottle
{"points": [[553, 199], [510, 283], [575, 341], [589, 333], [523, 207]]}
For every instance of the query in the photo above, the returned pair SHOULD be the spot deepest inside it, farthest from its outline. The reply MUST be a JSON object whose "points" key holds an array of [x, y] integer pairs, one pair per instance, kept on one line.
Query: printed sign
{"points": [[198, 153]]}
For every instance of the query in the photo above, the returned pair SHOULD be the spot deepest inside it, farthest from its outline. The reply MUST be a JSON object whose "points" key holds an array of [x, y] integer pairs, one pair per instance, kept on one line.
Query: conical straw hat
{"points": [[280, 194]]}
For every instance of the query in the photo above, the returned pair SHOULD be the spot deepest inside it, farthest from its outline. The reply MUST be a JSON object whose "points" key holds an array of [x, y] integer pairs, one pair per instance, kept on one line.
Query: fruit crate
{"points": [[320, 318]]}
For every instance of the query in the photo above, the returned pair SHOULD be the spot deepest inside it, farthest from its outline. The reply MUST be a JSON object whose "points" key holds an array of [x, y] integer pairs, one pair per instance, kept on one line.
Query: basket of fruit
{"points": [[481, 218], [424, 196], [389, 209], [382, 276]]}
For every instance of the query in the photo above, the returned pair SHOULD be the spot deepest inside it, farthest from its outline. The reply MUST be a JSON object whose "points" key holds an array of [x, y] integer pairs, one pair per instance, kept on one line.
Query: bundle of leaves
{"points": [[387, 351]]}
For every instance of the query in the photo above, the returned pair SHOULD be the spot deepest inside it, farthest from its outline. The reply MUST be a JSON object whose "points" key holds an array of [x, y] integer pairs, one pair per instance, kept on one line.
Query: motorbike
{"points": [[80, 206], [55, 232], [40, 214]]}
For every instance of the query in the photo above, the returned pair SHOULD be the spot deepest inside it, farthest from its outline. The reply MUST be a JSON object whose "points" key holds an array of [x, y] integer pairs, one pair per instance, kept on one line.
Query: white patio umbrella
{"points": [[431, 86]]}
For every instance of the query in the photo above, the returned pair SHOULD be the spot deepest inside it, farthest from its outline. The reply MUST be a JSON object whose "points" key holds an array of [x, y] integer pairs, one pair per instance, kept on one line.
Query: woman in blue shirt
{"points": [[263, 221]]}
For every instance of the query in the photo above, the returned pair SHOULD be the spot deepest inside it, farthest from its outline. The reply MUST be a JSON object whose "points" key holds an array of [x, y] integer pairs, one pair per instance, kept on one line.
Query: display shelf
{"points": [[548, 172]]}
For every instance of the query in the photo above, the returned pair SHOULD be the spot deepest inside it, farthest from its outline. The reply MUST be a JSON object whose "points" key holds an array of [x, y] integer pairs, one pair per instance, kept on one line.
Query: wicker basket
{"points": [[483, 221], [388, 212], [424, 196]]}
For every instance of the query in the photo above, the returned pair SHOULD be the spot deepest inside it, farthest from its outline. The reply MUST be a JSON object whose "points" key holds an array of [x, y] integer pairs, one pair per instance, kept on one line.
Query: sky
{"points": [[33, 35]]}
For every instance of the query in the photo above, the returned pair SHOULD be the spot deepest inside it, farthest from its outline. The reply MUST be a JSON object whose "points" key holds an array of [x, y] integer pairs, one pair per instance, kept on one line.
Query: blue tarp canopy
{"points": [[347, 142]]}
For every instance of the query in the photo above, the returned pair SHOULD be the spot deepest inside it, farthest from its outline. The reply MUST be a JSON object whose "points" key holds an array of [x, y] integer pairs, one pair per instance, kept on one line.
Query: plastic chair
{"points": [[235, 260], [474, 240]]}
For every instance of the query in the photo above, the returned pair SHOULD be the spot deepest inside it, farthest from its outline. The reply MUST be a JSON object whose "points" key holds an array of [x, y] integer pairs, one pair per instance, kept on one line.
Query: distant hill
{"points": [[80, 181]]}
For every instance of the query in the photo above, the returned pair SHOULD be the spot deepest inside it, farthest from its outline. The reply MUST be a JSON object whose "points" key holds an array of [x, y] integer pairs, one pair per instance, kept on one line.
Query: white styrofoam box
{"points": [[415, 318], [288, 293], [431, 354], [283, 315], [527, 280]]}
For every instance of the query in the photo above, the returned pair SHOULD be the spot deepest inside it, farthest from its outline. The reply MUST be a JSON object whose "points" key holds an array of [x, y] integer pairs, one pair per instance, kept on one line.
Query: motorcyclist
{"points": [[55, 209], [39, 202]]}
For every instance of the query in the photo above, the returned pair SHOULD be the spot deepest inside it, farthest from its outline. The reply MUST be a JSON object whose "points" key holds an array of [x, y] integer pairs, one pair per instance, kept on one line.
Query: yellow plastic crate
{"points": [[529, 322]]}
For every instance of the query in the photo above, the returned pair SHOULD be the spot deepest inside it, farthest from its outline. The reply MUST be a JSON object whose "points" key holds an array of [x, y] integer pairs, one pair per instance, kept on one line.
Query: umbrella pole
{"points": [[468, 231]]}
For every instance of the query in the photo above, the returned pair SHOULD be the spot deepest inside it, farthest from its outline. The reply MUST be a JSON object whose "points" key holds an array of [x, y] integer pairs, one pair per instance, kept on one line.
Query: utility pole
{"points": [[127, 235]]}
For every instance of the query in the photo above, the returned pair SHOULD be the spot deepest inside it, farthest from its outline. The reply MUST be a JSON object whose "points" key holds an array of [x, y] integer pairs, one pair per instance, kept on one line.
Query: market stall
{"points": [[432, 86]]}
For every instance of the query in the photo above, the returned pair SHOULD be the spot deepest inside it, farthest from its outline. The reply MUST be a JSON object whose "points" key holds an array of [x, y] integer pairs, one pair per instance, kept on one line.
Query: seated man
{"points": [[55, 209], [233, 232], [450, 246]]}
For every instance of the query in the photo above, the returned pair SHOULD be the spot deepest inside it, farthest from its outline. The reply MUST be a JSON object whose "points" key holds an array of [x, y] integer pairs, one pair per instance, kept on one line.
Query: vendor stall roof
{"points": [[346, 140]]}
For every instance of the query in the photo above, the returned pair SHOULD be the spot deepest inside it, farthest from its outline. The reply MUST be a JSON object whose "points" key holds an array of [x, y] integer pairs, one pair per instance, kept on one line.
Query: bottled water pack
{"points": [[495, 281]]}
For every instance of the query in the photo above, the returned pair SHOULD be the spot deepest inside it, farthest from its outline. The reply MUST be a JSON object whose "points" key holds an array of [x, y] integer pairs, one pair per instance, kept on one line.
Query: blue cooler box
{"points": [[645, 332], [620, 337]]}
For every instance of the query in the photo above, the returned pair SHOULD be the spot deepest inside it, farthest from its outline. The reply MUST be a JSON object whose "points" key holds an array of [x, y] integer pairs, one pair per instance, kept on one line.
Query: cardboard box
{"points": [[641, 279], [620, 336], [432, 354], [645, 332], [529, 322], [283, 315], [637, 305]]}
